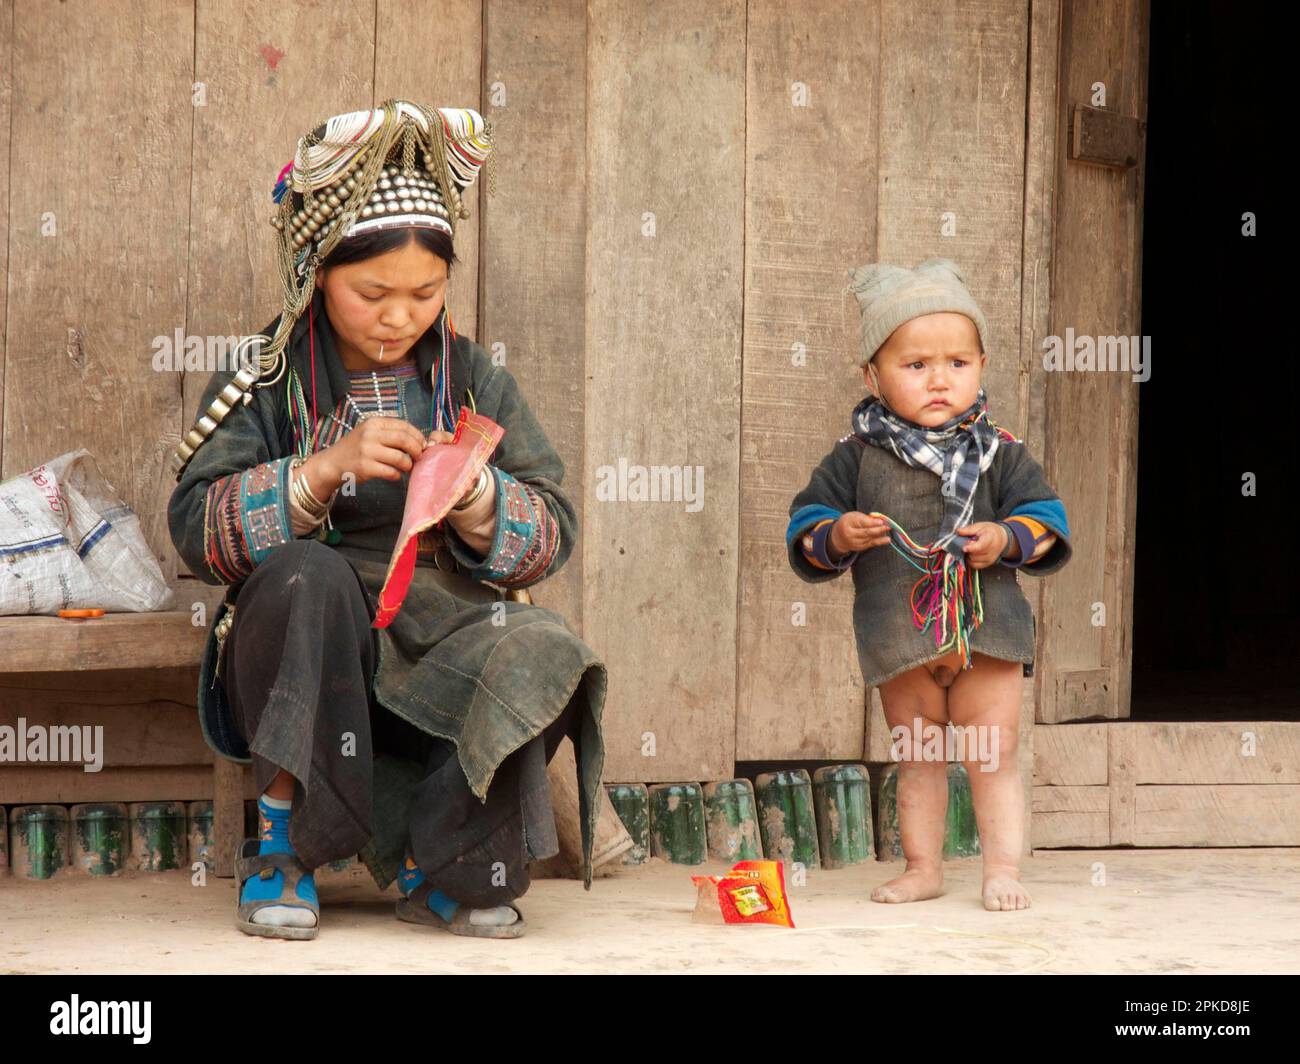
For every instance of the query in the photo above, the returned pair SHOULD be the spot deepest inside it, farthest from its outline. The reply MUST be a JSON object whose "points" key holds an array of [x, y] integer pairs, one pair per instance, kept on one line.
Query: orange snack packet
{"points": [[753, 892]]}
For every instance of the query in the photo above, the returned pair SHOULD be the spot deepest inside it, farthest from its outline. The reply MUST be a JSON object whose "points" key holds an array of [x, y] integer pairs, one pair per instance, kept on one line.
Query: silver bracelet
{"points": [[479, 488], [301, 493]]}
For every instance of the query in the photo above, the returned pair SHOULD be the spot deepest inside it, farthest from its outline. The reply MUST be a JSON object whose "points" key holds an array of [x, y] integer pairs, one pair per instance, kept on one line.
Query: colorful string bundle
{"points": [[947, 595]]}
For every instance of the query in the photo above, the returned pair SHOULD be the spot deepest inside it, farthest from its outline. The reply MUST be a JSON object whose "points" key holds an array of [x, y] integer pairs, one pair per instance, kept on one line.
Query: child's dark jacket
{"points": [[856, 475]]}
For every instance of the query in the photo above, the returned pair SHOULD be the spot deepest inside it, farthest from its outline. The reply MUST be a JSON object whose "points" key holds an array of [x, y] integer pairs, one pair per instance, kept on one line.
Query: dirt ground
{"points": [[1168, 911]]}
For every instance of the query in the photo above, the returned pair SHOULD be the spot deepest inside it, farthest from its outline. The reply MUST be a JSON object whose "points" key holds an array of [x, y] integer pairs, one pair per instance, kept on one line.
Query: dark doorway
{"points": [[1217, 572]]}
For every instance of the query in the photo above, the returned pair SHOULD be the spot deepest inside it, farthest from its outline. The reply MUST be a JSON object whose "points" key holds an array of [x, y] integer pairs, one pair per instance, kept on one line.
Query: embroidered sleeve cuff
{"points": [[525, 540], [804, 525], [815, 544], [246, 516], [1028, 535]]}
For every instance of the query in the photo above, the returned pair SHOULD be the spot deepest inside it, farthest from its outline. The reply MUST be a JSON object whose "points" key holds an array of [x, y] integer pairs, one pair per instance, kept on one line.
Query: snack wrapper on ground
{"points": [[753, 892], [440, 476]]}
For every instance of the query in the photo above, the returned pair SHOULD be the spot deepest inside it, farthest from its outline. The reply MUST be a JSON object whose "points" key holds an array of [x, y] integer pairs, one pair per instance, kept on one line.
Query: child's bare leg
{"points": [[987, 696], [922, 786]]}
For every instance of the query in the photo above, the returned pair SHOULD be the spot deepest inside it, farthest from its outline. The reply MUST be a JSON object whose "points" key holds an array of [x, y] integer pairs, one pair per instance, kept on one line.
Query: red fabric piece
{"points": [[440, 476]]}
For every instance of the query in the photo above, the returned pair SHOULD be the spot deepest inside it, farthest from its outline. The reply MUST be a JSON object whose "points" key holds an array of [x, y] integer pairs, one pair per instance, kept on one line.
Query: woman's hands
{"points": [[378, 448]]}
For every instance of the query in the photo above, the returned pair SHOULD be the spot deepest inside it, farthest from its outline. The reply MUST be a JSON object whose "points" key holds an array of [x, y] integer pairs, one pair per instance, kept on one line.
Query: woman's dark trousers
{"points": [[299, 666]]}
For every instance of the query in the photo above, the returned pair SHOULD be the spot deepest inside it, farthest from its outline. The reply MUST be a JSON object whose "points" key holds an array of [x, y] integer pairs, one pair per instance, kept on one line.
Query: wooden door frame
{"points": [[1098, 689]]}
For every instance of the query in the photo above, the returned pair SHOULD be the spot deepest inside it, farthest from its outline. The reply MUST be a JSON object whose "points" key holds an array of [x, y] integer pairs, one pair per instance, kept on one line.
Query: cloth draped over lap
{"points": [[460, 661]]}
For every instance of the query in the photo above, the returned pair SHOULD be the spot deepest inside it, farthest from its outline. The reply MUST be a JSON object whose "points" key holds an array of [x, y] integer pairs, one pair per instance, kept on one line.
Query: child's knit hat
{"points": [[890, 296]]}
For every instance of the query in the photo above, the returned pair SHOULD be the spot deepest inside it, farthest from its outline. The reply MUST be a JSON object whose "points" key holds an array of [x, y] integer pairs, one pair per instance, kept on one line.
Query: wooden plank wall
{"points": [[665, 239], [1160, 784], [812, 97], [681, 191]]}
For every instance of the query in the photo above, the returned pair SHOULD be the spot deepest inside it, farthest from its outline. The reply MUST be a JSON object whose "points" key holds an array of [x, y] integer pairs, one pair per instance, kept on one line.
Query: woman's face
{"points": [[390, 299]]}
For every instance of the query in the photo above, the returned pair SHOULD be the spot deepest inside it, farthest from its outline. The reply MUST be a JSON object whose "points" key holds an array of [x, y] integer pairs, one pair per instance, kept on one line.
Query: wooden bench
{"points": [[127, 641], [131, 641]]}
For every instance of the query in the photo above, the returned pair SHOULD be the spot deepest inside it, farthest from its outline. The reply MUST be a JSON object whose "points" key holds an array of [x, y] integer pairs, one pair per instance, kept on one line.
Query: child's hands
{"points": [[856, 531], [987, 542]]}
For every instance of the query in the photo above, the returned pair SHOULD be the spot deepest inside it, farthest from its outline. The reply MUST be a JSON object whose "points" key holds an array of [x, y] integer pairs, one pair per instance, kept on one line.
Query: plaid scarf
{"points": [[957, 452]]}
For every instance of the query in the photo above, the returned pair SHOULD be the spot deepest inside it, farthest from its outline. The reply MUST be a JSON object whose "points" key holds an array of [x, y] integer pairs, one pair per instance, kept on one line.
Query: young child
{"points": [[934, 507]]}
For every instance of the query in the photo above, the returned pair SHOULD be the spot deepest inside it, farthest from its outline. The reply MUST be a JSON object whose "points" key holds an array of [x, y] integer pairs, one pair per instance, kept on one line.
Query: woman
{"points": [[421, 746]]}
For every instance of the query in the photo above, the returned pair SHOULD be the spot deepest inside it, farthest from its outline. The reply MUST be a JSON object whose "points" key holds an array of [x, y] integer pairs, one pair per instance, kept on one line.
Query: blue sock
{"points": [[273, 837], [411, 877]]}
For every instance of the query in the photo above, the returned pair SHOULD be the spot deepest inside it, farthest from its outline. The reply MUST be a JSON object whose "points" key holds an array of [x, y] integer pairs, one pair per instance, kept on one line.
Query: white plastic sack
{"points": [[68, 542]]}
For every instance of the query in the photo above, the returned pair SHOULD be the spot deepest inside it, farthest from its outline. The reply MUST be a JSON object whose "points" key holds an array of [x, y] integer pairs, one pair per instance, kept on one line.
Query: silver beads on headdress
{"points": [[398, 199]]}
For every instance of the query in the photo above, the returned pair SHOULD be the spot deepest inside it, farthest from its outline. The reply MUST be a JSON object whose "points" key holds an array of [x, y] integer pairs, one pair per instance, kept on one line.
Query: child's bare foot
{"points": [[916, 884], [1003, 891]]}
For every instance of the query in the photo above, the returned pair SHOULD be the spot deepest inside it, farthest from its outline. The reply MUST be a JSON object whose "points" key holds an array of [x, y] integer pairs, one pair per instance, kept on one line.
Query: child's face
{"points": [[929, 369]]}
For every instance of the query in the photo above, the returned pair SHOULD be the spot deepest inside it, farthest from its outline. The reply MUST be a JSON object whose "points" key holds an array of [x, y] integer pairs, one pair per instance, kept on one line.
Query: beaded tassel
{"points": [[946, 596]]}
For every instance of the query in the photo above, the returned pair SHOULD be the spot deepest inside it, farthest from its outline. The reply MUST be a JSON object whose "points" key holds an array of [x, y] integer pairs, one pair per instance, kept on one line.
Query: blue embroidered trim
{"points": [[264, 507], [1049, 512], [805, 516]]}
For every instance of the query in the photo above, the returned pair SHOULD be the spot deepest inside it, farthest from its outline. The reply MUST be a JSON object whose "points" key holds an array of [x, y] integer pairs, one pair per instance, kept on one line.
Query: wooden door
{"points": [[1086, 610]]}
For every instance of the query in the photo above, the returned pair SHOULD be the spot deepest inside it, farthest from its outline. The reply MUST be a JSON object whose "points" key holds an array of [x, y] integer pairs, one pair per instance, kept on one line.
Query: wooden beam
{"points": [[114, 641], [6, 133], [1226, 752], [66, 785], [1121, 783], [89, 292], [1245, 815], [148, 734], [1068, 755], [1070, 817], [231, 783], [432, 51]]}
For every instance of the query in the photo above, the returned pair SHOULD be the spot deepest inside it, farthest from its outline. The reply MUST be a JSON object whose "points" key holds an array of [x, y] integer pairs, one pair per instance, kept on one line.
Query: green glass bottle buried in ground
{"points": [[731, 814], [842, 794], [159, 840], [961, 837], [631, 801], [677, 828], [100, 838], [786, 819], [39, 840], [199, 815]]}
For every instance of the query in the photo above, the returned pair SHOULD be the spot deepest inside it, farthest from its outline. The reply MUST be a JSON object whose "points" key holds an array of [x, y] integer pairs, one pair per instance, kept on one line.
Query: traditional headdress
{"points": [[353, 174]]}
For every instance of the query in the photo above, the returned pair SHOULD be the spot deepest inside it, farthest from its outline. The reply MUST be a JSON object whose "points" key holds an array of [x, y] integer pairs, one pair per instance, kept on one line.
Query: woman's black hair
{"points": [[380, 241]]}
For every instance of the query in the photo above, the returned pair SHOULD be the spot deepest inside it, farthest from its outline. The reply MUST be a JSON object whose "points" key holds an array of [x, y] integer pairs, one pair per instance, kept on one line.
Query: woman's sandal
{"points": [[250, 863], [414, 909]]}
